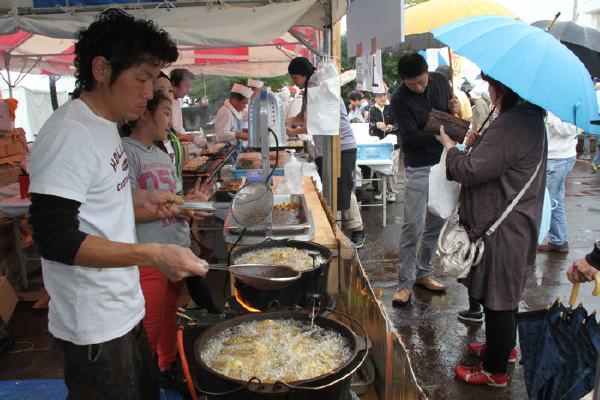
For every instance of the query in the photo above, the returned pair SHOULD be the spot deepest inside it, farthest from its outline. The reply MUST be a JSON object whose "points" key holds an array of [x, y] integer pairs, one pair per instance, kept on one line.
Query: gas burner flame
{"points": [[244, 305]]}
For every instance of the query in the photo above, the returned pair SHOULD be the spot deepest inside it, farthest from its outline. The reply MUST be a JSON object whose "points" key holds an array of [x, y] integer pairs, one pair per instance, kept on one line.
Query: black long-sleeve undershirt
{"points": [[56, 227], [594, 258]]}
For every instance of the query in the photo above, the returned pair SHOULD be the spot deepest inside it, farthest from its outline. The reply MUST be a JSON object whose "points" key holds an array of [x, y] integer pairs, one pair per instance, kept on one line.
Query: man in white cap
{"points": [[230, 120]]}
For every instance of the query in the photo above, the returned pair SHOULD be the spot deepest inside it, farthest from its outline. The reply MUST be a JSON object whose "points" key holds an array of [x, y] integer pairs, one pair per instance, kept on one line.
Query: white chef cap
{"points": [[241, 89]]}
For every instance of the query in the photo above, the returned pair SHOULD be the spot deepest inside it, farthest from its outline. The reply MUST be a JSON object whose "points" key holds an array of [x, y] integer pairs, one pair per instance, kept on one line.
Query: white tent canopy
{"points": [[40, 40], [188, 23]]}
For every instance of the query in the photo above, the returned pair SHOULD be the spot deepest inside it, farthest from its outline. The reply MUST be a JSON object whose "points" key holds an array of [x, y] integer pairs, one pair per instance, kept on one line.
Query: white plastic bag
{"points": [[546, 217], [443, 194], [323, 101]]}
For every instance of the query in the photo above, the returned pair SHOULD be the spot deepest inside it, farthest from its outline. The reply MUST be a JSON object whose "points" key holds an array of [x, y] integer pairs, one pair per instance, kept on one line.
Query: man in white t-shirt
{"points": [[181, 80], [83, 215]]}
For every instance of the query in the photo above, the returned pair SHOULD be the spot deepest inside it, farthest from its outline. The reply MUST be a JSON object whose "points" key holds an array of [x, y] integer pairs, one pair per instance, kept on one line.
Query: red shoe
{"points": [[477, 376], [478, 348]]}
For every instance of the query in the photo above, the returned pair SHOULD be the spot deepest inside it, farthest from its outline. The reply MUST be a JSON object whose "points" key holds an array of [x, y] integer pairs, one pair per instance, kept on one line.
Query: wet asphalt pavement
{"points": [[435, 339]]}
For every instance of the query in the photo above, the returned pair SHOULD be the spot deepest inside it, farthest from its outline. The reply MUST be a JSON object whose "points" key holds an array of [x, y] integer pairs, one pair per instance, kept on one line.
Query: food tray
{"points": [[296, 224], [223, 153]]}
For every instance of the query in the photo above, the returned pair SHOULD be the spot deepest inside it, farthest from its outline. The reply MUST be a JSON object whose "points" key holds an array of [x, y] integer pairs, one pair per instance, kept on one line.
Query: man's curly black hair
{"points": [[124, 41]]}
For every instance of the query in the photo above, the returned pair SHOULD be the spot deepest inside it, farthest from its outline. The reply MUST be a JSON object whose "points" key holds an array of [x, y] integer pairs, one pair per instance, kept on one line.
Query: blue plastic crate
{"points": [[238, 174], [374, 151]]}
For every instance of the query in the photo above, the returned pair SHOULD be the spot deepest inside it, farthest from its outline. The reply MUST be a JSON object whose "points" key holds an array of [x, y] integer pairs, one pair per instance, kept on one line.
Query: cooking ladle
{"points": [[260, 276]]}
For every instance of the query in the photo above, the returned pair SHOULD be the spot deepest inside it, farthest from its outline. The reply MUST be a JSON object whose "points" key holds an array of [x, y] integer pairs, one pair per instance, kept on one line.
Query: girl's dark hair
{"points": [[509, 97], [158, 97], [124, 41], [355, 95]]}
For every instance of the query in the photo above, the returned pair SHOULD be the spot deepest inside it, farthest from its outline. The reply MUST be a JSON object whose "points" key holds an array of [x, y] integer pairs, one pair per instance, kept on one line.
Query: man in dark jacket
{"points": [[420, 92]]}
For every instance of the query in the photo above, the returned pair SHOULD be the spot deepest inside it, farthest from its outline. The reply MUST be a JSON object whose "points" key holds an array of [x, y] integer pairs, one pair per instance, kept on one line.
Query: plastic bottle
{"points": [[293, 174]]}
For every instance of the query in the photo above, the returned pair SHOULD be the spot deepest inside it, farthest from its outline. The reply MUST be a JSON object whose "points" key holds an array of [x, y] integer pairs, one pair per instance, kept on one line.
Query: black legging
{"points": [[501, 337]]}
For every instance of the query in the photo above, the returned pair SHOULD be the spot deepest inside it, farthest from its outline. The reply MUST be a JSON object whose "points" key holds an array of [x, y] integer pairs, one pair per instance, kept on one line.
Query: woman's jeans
{"points": [[556, 177]]}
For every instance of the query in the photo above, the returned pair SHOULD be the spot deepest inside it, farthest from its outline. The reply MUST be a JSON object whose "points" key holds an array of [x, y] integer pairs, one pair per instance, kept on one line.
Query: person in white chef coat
{"points": [[229, 124]]}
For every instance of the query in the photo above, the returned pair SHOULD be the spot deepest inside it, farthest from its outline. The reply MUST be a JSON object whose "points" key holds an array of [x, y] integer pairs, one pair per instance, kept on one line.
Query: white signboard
{"points": [[369, 73], [374, 24]]}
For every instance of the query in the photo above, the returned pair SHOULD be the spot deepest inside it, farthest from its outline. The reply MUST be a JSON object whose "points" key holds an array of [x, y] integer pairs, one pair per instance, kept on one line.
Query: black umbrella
{"points": [[581, 40], [559, 349]]}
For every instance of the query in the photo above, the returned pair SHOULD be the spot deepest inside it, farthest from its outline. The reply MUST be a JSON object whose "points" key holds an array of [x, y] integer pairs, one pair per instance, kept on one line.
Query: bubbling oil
{"points": [[297, 259], [276, 350]]}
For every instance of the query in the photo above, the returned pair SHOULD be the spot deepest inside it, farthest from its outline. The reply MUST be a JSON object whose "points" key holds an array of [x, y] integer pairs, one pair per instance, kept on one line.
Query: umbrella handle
{"points": [[575, 290], [574, 293]]}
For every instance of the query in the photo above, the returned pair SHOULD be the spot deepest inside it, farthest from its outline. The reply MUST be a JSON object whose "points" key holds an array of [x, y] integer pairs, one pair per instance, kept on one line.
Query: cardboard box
{"points": [[13, 142], [6, 123], [9, 174], [8, 300]]}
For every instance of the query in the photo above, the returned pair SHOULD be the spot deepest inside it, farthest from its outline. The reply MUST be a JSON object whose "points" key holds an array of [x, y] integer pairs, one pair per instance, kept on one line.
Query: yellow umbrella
{"points": [[434, 13], [419, 20]]}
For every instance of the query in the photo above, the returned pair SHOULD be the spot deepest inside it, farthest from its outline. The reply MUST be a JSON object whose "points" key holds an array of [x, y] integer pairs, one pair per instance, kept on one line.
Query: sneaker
{"points": [[479, 348], [391, 198], [359, 238], [478, 376], [471, 315], [401, 297], [594, 168], [558, 248], [378, 197], [431, 284], [585, 157]]}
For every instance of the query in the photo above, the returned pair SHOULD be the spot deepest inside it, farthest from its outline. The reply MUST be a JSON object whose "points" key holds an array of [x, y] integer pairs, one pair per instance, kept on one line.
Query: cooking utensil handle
{"points": [[229, 392], [219, 267], [575, 290]]}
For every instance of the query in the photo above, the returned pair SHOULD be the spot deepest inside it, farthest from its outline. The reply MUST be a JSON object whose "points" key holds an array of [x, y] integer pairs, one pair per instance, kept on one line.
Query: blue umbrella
{"points": [[530, 61]]}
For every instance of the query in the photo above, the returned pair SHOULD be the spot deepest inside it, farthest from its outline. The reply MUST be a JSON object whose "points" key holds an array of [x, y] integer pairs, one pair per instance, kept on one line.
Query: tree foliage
{"points": [[216, 88]]}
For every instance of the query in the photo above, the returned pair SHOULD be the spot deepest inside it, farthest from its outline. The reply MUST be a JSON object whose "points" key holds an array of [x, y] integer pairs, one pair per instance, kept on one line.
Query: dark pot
{"points": [[301, 292], [332, 386]]}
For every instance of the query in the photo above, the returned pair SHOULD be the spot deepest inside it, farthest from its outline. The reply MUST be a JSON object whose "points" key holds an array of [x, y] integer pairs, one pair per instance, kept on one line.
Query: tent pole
{"points": [[336, 145], [327, 162], [305, 42], [53, 97], [8, 81]]}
